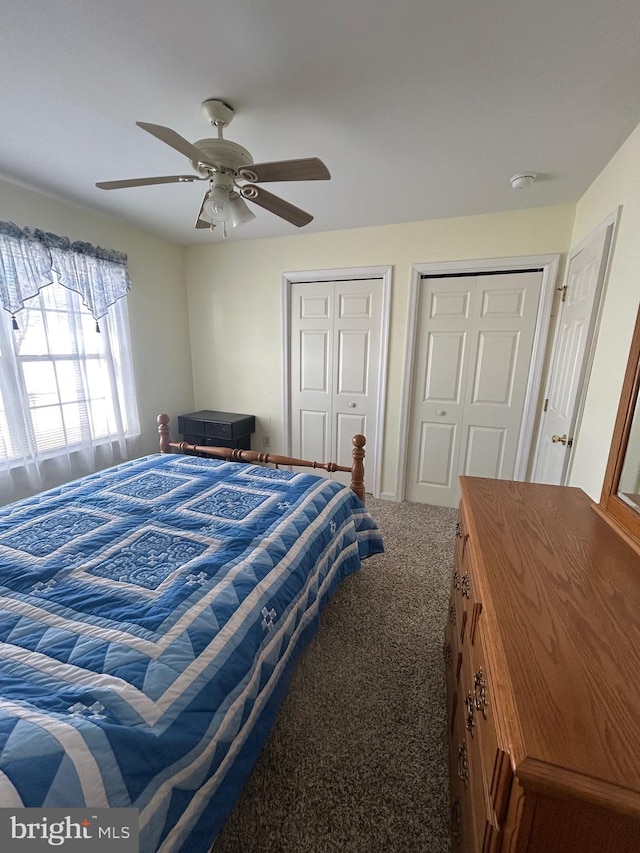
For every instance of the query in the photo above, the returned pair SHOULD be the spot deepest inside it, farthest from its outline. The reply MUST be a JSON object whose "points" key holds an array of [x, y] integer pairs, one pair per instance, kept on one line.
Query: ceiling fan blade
{"points": [[179, 143], [143, 182], [307, 169], [202, 223], [276, 205]]}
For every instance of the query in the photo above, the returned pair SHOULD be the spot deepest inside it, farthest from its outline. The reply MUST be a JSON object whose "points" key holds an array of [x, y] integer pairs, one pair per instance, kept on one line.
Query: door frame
{"points": [[609, 225], [549, 264], [373, 462]]}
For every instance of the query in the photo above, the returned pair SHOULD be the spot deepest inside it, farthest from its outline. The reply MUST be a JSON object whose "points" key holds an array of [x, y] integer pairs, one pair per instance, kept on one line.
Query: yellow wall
{"points": [[618, 184], [235, 304], [157, 303]]}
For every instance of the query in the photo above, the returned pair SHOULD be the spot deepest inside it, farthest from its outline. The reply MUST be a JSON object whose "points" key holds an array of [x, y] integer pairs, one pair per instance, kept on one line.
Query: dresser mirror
{"points": [[620, 500]]}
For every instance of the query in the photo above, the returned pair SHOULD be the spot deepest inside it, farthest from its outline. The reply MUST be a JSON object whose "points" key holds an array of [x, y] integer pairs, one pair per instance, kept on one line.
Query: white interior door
{"points": [[335, 368], [475, 340], [568, 365]]}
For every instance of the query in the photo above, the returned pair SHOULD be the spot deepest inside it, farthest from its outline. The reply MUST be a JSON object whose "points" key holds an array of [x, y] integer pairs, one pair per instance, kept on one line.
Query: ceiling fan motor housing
{"points": [[225, 154]]}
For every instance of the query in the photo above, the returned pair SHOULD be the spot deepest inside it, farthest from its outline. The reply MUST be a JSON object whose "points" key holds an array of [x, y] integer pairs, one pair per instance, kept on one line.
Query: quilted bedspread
{"points": [[150, 616]]}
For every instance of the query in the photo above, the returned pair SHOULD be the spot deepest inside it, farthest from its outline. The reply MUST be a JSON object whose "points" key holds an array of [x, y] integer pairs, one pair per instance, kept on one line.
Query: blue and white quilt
{"points": [[150, 616]]}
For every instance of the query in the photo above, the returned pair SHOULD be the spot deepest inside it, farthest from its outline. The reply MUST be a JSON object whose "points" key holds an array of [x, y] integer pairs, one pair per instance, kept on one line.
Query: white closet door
{"points": [[441, 365], [475, 339], [312, 316], [335, 368]]}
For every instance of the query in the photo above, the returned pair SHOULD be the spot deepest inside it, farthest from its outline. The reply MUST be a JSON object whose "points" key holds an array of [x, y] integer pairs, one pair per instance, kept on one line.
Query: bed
{"points": [[150, 618]]}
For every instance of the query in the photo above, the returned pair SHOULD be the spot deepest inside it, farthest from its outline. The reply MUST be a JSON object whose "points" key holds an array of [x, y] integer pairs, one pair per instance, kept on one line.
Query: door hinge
{"points": [[563, 291], [546, 404]]}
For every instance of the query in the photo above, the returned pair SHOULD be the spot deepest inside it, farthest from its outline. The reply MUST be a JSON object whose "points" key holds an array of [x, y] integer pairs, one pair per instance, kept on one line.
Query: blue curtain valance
{"points": [[30, 257]]}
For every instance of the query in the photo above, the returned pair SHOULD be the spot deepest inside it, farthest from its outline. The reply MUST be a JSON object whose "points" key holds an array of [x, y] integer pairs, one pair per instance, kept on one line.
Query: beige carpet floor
{"points": [[356, 762]]}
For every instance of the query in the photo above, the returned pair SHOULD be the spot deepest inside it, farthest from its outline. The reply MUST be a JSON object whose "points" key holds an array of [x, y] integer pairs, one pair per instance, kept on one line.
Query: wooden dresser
{"points": [[542, 654]]}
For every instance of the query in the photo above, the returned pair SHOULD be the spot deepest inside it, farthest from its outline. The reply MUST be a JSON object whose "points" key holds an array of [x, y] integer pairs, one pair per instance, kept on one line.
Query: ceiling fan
{"points": [[227, 166]]}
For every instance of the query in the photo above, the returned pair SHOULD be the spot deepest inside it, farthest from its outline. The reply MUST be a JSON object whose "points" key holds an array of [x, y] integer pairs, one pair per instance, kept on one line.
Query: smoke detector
{"points": [[522, 180]]}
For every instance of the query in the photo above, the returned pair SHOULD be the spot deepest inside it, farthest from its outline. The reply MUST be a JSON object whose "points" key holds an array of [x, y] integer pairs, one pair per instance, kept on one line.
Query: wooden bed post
{"points": [[357, 468], [163, 429]]}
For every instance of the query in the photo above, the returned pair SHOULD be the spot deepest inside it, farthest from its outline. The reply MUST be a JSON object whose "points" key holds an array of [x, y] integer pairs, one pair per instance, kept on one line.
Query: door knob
{"points": [[559, 438], [352, 405]]}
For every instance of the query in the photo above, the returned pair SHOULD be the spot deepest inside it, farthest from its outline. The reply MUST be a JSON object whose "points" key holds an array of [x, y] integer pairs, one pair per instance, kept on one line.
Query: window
{"points": [[67, 394]]}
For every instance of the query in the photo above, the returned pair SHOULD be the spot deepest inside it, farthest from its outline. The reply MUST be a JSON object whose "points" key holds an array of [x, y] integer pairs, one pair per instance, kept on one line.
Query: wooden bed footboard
{"points": [[235, 455]]}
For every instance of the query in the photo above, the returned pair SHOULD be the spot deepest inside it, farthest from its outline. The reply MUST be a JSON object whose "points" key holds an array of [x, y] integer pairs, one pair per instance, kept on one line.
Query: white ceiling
{"points": [[421, 109]]}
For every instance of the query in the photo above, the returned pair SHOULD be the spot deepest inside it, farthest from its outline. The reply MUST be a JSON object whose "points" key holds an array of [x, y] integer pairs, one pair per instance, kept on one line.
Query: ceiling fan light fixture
{"points": [[240, 211], [217, 206]]}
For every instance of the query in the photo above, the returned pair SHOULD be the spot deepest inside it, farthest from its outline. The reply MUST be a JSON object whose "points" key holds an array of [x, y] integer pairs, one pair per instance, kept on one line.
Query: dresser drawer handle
{"points": [[458, 530], [480, 691], [470, 705], [456, 580], [463, 764], [465, 586]]}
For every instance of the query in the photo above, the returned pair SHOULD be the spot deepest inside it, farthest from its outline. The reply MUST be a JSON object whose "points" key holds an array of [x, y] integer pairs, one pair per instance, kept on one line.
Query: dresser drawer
{"points": [[451, 649], [454, 617], [461, 538], [463, 832], [487, 832], [467, 598], [481, 829], [496, 767], [218, 429], [242, 443], [192, 427]]}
